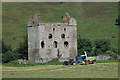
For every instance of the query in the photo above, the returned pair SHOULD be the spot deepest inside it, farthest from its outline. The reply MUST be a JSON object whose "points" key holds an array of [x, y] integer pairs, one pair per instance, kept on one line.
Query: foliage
{"points": [[114, 50], [23, 49], [97, 47], [9, 56], [101, 46], [118, 20], [84, 45], [5, 48], [113, 56]]}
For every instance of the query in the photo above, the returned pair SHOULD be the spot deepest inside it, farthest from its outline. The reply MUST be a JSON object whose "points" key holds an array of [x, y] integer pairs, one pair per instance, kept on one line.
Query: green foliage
{"points": [[96, 48], [101, 46], [84, 45], [5, 48], [118, 20], [113, 56], [9, 56], [114, 50], [23, 49]]}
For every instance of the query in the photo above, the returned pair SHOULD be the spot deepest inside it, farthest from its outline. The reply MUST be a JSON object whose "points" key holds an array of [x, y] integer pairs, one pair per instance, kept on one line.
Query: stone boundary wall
{"points": [[101, 58]]}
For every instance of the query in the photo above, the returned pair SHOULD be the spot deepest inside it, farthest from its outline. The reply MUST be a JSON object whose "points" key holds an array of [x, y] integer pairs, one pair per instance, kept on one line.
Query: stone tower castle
{"points": [[52, 40]]}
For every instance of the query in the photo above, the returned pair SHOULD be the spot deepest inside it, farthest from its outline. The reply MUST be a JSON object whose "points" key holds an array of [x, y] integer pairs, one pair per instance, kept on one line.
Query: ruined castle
{"points": [[51, 40]]}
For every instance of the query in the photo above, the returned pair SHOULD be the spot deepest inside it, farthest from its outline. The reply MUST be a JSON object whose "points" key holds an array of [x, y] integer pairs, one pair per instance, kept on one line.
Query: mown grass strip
{"points": [[108, 61], [15, 64]]}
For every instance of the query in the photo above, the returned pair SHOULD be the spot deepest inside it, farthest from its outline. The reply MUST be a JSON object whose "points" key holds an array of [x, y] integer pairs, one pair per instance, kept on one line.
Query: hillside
{"points": [[95, 20]]}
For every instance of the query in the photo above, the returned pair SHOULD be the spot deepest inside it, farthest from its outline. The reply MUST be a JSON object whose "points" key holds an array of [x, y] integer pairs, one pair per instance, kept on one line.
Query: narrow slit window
{"points": [[64, 29], [42, 44], [53, 29]]}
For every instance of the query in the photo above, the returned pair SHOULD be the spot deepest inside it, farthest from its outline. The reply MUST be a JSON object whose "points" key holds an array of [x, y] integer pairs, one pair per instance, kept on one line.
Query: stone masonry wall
{"points": [[67, 45]]}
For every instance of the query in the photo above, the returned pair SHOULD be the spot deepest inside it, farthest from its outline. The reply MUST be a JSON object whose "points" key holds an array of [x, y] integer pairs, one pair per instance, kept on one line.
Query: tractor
{"points": [[83, 59], [69, 62]]}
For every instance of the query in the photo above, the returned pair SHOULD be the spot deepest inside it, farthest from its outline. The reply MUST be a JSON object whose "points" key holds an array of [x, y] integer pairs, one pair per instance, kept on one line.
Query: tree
{"points": [[84, 45], [118, 21], [101, 46], [5, 48], [8, 54], [23, 49]]}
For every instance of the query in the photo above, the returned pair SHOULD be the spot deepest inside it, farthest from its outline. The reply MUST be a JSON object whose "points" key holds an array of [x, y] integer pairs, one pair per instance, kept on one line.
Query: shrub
{"points": [[9, 56], [5, 48], [101, 46], [23, 49], [84, 45], [113, 56], [118, 20]]}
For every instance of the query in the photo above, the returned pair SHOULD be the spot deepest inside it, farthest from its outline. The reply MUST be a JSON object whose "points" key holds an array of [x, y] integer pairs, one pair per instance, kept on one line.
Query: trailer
{"points": [[83, 60]]}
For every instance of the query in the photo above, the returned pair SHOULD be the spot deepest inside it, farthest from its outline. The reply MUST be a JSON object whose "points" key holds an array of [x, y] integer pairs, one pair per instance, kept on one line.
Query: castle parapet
{"points": [[67, 20]]}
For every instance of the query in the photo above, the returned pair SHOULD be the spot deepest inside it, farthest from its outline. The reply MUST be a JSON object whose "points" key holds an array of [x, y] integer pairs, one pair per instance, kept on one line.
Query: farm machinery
{"points": [[83, 59]]}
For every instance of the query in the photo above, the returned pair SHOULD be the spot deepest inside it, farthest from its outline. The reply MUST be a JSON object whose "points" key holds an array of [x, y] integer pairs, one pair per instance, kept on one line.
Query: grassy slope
{"points": [[95, 20], [99, 70]]}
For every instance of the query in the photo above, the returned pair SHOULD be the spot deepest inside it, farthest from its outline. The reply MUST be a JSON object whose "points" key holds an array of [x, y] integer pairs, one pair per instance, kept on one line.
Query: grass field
{"points": [[95, 20], [98, 70]]}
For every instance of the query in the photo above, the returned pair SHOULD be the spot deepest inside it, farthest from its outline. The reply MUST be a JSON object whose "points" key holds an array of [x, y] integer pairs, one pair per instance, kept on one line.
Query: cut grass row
{"points": [[98, 70], [15, 64]]}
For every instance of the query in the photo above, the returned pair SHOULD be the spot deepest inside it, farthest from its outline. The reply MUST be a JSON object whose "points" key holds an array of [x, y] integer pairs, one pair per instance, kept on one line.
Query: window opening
{"points": [[53, 29], [42, 44], [63, 36], [50, 36], [66, 44], [55, 44], [64, 29]]}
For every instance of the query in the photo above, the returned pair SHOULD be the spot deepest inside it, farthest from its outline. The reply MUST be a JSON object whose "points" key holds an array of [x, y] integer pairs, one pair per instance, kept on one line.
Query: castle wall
{"points": [[41, 48], [33, 48]]}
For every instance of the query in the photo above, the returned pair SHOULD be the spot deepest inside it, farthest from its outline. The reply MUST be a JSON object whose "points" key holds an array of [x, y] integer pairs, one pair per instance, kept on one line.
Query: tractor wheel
{"points": [[86, 62], [73, 63], [93, 62]]}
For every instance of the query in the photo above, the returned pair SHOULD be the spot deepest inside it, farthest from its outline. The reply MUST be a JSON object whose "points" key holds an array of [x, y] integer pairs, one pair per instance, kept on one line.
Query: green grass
{"points": [[16, 64], [95, 20], [108, 61], [98, 70]]}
